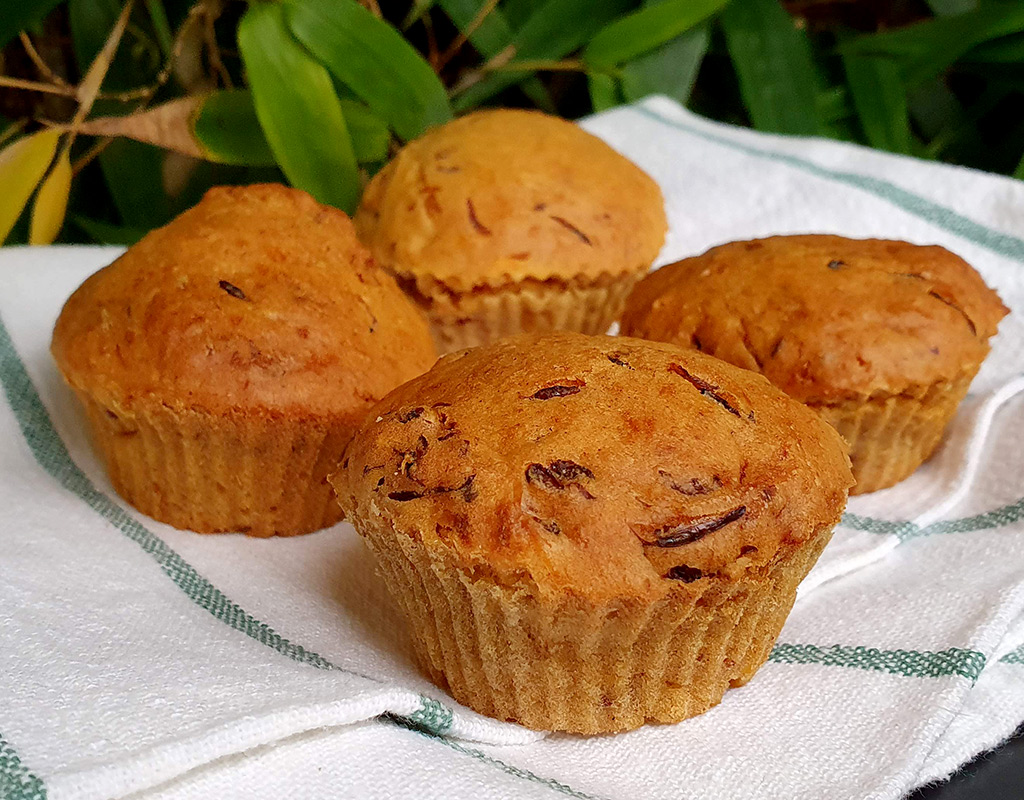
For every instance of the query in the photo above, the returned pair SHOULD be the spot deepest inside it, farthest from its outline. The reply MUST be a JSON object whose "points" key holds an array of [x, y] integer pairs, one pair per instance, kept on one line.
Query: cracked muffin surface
{"points": [[225, 359], [881, 337], [505, 221], [598, 465], [591, 533]]}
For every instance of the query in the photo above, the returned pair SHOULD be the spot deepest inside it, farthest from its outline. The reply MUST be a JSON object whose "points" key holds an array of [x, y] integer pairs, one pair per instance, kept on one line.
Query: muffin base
{"points": [[891, 436], [467, 319], [572, 666], [211, 474]]}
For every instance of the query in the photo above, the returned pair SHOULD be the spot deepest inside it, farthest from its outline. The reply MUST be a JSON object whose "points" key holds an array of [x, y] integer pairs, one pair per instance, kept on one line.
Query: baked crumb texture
{"points": [[506, 221], [225, 360], [881, 337], [590, 533]]}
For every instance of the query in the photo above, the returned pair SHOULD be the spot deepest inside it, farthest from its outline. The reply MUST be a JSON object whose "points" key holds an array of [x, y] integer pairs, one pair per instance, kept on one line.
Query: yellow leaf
{"points": [[22, 166], [51, 203]]}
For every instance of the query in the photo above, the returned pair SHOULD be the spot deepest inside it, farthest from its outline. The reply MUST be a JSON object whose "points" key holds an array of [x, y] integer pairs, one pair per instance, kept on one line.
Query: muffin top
{"points": [[825, 318], [609, 467], [502, 196], [257, 299]]}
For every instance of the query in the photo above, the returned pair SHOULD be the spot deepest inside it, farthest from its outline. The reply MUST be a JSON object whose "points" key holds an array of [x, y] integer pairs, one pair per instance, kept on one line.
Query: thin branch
{"points": [[89, 88], [210, 16], [432, 49], [12, 130], [537, 65], [83, 160], [41, 65], [37, 86], [373, 7], [463, 37]]}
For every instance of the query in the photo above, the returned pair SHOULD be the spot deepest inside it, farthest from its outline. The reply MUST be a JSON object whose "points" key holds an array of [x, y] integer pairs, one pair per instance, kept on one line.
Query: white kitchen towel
{"points": [[137, 658]]}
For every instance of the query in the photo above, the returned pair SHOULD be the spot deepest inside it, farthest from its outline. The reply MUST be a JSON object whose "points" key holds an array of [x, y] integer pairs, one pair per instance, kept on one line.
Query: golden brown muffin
{"points": [[882, 338], [507, 221], [590, 533], [225, 359]]}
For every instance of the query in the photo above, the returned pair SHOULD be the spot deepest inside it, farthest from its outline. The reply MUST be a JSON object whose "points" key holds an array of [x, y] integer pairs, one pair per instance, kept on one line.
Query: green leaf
{"points": [[644, 29], [773, 62], [228, 131], [927, 49], [491, 37], [880, 100], [298, 109], [17, 15], [554, 29], [1004, 50], [604, 91], [105, 233], [946, 8], [374, 60], [161, 26], [370, 134], [1019, 171], [670, 69]]}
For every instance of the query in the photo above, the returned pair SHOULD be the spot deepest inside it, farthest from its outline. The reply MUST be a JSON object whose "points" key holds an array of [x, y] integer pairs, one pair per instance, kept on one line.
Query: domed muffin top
{"points": [[501, 196], [257, 299], [825, 318], [609, 467]]}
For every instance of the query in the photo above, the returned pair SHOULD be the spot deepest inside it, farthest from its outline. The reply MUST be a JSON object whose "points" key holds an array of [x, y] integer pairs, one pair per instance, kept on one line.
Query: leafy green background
{"points": [[320, 92]]}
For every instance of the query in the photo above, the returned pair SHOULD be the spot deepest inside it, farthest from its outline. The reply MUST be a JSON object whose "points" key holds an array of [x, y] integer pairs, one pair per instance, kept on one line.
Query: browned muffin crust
{"points": [[825, 318], [503, 196], [258, 300], [597, 466]]}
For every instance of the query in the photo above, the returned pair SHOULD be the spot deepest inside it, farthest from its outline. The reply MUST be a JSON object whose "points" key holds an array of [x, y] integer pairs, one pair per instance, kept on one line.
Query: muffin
{"points": [[510, 221], [589, 533], [881, 338], [225, 360]]}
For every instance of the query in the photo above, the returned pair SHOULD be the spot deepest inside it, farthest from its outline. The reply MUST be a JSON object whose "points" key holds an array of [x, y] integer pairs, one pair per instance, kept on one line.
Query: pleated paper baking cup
{"points": [[257, 475], [892, 436], [484, 314], [572, 666]]}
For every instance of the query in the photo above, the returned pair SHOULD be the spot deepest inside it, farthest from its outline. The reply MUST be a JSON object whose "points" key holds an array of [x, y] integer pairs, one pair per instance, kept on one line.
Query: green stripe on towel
{"points": [[49, 450], [909, 663], [946, 218], [16, 781], [996, 518]]}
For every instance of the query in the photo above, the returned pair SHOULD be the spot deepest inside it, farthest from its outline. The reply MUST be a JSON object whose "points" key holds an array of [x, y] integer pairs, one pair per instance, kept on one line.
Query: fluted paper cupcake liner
{"points": [[892, 436], [257, 475], [468, 319], [571, 666]]}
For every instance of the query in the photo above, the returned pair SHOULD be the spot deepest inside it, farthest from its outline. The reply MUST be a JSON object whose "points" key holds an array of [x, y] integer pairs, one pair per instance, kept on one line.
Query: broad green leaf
{"points": [[1004, 50], [419, 8], [370, 134], [17, 15], [298, 109], [773, 62], [374, 60], [554, 29], [517, 12], [161, 26], [647, 28], [947, 8], [670, 69], [22, 165], [880, 100], [604, 91], [927, 49], [492, 36], [228, 131], [51, 202], [1019, 171], [105, 233]]}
